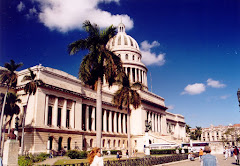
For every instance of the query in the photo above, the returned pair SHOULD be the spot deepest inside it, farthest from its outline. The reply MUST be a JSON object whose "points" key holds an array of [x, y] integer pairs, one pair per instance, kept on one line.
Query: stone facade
{"points": [[62, 113]]}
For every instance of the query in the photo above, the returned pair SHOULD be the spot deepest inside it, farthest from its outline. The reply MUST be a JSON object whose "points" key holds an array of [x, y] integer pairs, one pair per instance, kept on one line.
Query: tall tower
{"points": [[128, 50]]}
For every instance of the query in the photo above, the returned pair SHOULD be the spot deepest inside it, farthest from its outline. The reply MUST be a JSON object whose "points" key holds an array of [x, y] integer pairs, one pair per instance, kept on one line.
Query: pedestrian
{"points": [[118, 155], [182, 151], [200, 154], [208, 159], [236, 155], [232, 149], [191, 156], [51, 154], [94, 157], [226, 153], [127, 154]]}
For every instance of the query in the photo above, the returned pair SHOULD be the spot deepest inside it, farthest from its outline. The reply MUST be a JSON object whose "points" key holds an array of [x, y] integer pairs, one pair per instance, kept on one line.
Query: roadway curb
{"points": [[176, 162]]}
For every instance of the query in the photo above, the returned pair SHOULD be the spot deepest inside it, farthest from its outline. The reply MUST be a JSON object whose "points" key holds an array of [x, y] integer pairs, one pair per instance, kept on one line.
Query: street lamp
{"points": [[238, 95], [147, 128]]}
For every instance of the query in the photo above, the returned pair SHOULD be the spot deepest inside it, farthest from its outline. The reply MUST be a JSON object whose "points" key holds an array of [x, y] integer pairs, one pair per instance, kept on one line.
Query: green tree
{"points": [[198, 132], [8, 77], [11, 108], [187, 127], [127, 96], [30, 88], [99, 63]]}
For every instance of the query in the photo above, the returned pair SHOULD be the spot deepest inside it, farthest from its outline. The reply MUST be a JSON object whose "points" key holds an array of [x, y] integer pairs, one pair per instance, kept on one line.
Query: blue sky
{"points": [[191, 47]]}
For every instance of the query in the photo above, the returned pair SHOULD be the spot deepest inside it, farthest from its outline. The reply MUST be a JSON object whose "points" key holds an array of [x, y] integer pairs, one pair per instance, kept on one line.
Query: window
{"points": [[119, 40], [118, 143], [135, 142], [103, 143], [60, 143], [126, 56], [69, 143], [91, 142], [59, 117], [133, 57], [49, 120], [68, 118], [83, 117], [114, 143]]}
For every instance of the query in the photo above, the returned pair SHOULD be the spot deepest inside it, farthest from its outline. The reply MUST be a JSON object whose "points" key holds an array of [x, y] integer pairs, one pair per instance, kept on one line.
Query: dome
{"points": [[122, 41]]}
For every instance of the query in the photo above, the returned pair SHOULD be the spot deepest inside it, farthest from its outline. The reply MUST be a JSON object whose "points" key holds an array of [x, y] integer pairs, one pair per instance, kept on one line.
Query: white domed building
{"points": [[62, 113]]}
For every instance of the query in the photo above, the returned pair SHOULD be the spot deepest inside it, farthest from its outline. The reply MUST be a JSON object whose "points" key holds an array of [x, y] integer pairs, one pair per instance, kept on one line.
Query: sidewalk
{"points": [[221, 161], [51, 161]]}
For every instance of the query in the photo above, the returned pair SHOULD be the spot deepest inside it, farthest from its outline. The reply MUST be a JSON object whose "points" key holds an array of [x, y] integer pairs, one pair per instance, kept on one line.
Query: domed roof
{"points": [[122, 41]]}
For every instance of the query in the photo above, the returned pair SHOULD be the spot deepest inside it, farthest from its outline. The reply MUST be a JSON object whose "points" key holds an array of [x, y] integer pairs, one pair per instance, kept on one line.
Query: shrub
{"points": [[113, 152], [30, 159], [75, 154], [24, 161], [162, 151]]}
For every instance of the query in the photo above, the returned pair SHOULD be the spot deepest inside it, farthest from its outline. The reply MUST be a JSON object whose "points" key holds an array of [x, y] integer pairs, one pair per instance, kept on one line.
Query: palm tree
{"points": [[127, 96], [11, 108], [8, 77], [30, 88], [198, 132], [99, 63]]}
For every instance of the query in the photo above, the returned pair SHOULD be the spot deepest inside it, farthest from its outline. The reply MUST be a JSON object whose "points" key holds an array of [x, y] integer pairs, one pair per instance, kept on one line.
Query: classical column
{"points": [[64, 114], [46, 110], [159, 123], [78, 115], [153, 122], [124, 123], [135, 74], [119, 123], [55, 113], [149, 116], [156, 125], [93, 118], [115, 121], [163, 124], [126, 70], [131, 75], [87, 118], [110, 121], [105, 120], [72, 116], [139, 75], [146, 78]]}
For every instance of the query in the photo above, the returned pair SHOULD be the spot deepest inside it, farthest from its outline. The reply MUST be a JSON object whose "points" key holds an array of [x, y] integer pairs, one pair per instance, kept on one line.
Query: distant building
{"points": [[62, 113], [217, 133]]}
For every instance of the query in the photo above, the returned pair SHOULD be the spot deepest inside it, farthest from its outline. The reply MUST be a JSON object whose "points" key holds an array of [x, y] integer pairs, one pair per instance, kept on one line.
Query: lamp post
{"points": [[148, 127], [16, 127], [238, 95]]}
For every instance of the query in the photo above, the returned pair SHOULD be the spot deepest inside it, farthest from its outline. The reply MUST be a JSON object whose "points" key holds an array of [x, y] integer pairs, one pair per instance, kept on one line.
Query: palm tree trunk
{"points": [[129, 133], [3, 134], [9, 122], [2, 114], [99, 112], [23, 125]]}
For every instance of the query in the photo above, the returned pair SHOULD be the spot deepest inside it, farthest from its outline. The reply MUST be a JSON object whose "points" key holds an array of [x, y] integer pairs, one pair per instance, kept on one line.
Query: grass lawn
{"points": [[76, 161]]}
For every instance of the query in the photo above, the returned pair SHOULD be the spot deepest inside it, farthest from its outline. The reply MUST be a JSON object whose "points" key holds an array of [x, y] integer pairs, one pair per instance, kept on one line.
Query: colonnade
{"points": [[136, 75], [113, 122], [156, 121], [60, 112]]}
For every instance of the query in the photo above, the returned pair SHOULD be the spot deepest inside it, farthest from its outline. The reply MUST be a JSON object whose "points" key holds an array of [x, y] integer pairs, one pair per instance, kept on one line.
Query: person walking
{"points": [[127, 154], [94, 157], [208, 159], [226, 153], [236, 155], [118, 155], [200, 154]]}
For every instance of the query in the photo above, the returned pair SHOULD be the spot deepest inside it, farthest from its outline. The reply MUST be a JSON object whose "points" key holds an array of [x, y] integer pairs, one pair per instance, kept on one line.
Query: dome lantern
{"points": [[121, 28]]}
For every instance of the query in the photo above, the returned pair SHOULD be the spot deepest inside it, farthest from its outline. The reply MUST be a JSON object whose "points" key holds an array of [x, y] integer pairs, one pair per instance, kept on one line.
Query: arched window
{"points": [[118, 143], [84, 144], [114, 143], [60, 143], [126, 56], [133, 57], [108, 144], [69, 143], [103, 143], [91, 143]]}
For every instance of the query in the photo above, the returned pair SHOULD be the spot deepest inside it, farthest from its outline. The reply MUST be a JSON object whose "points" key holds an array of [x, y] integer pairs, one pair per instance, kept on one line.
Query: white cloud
{"points": [[32, 13], [170, 107], [194, 89], [20, 6], [66, 15], [150, 58], [224, 97], [215, 84]]}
